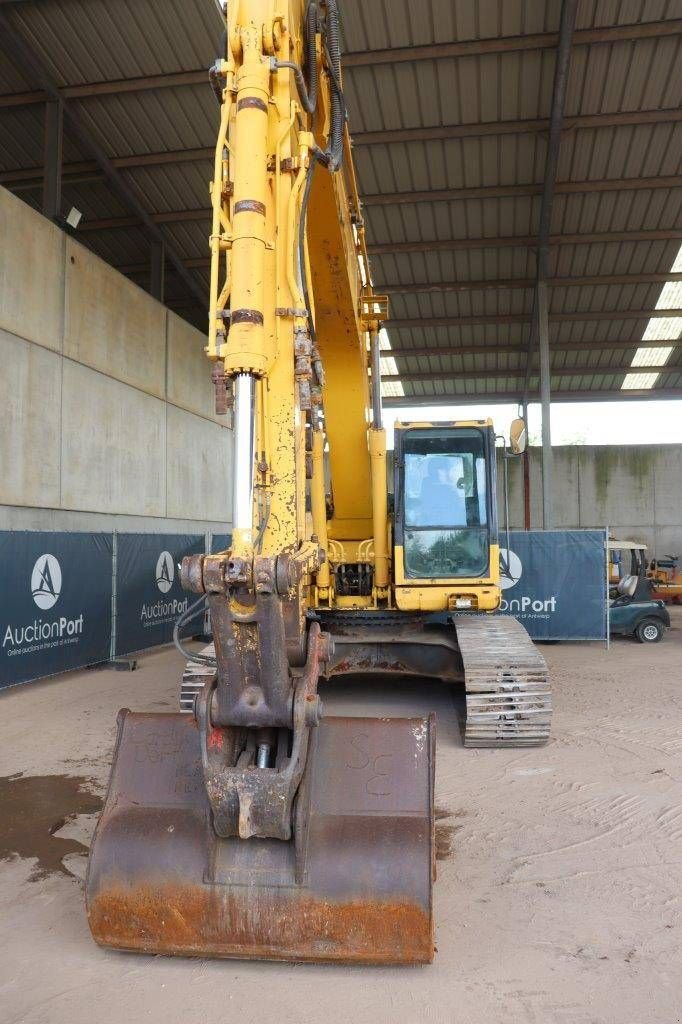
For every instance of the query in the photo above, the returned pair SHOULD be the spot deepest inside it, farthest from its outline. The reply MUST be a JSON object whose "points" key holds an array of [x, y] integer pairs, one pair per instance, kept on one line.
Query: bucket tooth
{"points": [[354, 885]]}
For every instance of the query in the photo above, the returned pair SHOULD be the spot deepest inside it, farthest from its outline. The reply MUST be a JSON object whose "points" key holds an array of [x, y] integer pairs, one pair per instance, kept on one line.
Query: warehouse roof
{"points": [[450, 112]]}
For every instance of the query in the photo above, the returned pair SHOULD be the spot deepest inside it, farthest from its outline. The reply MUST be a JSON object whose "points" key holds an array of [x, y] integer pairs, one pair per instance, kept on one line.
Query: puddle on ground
{"points": [[445, 834], [33, 808]]}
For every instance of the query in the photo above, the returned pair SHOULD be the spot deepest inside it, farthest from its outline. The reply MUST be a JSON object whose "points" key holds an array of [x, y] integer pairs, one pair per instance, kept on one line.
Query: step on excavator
{"points": [[256, 826]]}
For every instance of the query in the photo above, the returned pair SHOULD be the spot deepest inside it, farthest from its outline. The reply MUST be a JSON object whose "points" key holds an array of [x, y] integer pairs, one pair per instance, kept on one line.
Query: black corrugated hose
{"points": [[334, 151], [332, 156], [194, 610]]}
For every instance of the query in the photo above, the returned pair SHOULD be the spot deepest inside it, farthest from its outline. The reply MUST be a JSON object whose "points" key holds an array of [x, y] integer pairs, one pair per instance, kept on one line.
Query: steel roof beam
{"points": [[410, 323], [498, 397], [621, 184], [450, 195], [521, 283], [523, 241], [453, 351], [465, 48], [117, 86], [511, 44], [441, 287], [24, 178], [441, 245], [169, 217], [625, 118], [26, 59], [90, 170], [518, 372], [437, 51]]}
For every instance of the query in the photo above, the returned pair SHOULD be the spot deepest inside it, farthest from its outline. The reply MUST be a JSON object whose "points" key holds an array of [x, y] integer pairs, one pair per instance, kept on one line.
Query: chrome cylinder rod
{"points": [[263, 755], [244, 444], [375, 356]]}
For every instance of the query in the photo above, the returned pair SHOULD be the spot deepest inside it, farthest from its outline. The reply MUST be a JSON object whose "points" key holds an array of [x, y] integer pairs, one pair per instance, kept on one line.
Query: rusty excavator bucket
{"points": [[306, 844]]}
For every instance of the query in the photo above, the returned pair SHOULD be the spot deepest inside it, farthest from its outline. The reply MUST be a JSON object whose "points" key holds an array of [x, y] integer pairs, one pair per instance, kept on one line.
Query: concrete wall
{"points": [[636, 491], [108, 413], [107, 402]]}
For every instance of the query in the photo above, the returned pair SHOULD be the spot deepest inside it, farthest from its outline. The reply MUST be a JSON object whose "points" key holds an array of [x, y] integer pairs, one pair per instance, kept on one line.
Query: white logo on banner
{"points": [[511, 568], [165, 572], [46, 581]]}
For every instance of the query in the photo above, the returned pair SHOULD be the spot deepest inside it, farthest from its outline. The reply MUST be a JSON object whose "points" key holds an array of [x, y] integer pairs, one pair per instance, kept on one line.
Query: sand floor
{"points": [[558, 897]]}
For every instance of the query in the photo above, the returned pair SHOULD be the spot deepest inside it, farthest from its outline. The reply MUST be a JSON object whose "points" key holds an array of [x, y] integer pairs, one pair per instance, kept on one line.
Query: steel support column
{"points": [[157, 276], [525, 461], [539, 332], [542, 330], [52, 162]]}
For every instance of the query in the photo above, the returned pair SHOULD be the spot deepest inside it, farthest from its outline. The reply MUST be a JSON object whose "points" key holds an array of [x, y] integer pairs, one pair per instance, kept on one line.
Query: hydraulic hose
{"points": [[214, 76], [301, 243], [338, 112], [332, 156], [306, 94], [193, 612]]}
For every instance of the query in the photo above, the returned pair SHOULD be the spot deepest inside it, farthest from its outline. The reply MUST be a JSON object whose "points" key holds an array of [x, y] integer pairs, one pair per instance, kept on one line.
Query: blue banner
{"points": [[220, 542], [554, 582], [55, 603], [149, 597]]}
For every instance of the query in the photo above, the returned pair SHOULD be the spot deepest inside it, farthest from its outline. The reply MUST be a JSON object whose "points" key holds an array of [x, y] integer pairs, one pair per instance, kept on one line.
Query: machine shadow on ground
{"points": [[405, 697]]}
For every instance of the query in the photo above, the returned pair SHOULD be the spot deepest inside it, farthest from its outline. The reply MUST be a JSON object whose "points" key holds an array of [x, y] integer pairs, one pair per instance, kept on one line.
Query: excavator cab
{"points": [[446, 552]]}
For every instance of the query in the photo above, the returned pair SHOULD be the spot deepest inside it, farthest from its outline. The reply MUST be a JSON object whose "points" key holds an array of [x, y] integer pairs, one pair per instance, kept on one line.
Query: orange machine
{"points": [[667, 579]]}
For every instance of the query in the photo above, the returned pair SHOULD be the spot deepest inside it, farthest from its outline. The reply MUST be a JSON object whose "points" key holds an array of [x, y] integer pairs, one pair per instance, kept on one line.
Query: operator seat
{"points": [[627, 586], [440, 503]]}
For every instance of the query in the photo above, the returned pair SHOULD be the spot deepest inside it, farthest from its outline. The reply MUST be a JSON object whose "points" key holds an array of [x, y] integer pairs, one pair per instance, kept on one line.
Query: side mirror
{"points": [[517, 436]]}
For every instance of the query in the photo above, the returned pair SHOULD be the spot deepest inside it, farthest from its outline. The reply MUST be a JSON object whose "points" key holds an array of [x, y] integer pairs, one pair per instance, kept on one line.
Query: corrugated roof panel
{"points": [[22, 139], [388, 23], [95, 40], [627, 151], [173, 186], [12, 80], [95, 200], [191, 238], [152, 122]]}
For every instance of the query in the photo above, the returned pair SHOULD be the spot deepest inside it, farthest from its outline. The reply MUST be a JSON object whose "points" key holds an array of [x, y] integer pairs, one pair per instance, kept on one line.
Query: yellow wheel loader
{"points": [[256, 826]]}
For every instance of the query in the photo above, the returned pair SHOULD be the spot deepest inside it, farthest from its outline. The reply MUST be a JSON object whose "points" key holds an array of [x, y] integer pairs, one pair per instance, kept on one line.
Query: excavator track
{"points": [[194, 677], [508, 695]]}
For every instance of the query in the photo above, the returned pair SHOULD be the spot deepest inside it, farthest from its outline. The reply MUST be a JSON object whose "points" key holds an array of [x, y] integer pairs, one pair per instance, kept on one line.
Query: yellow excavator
{"points": [[258, 827]]}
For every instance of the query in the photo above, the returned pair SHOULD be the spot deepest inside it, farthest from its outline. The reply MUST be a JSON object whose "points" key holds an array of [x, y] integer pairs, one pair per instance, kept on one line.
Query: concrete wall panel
{"points": [[13, 517], [84, 444], [636, 491], [199, 467], [189, 371], [613, 480], [113, 446], [566, 483], [30, 387], [668, 485], [111, 324], [31, 273], [668, 542]]}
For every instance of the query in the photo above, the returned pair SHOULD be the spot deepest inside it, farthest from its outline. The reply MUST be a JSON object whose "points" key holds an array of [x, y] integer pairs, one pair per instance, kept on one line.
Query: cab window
{"points": [[445, 504]]}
